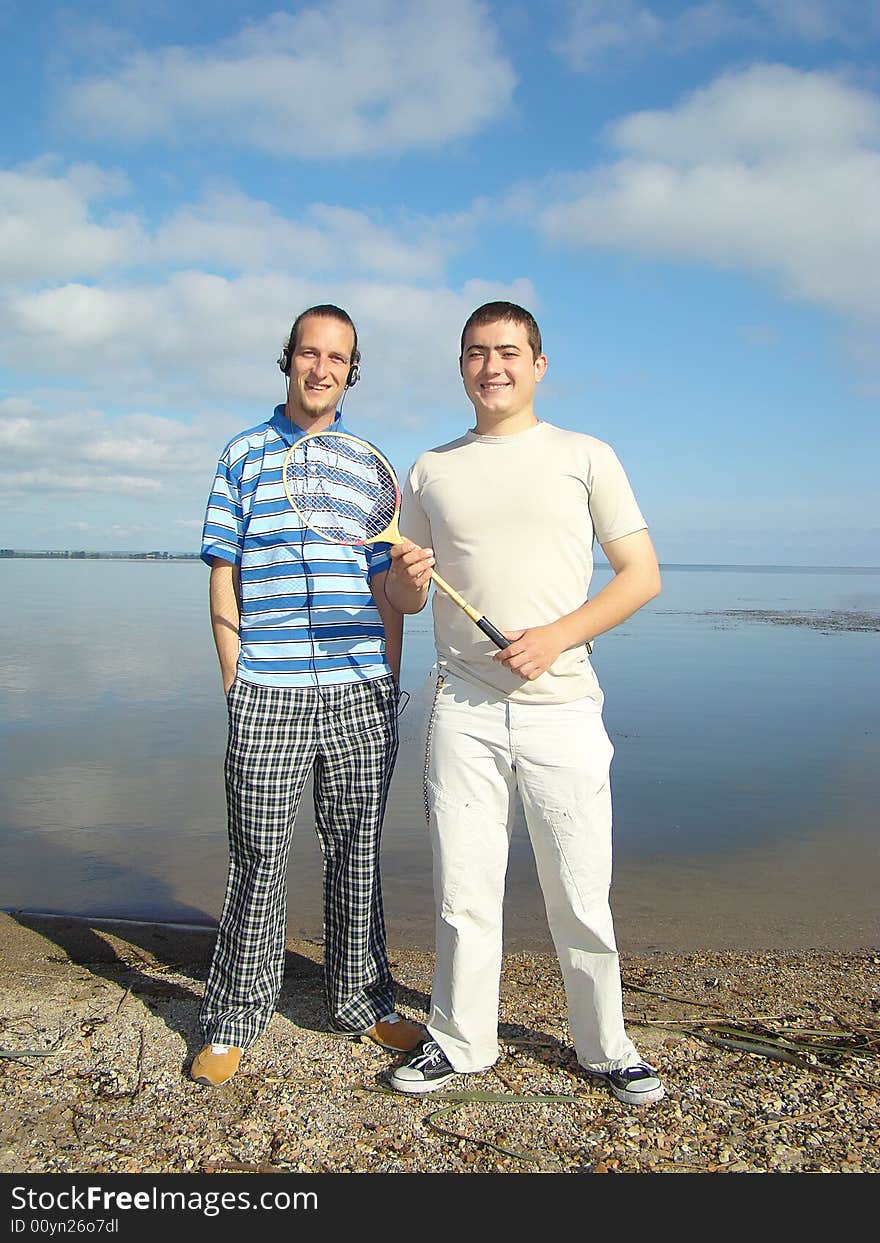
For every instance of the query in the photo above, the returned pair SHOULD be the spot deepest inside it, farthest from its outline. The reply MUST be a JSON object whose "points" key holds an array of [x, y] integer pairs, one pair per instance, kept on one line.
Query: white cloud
{"points": [[133, 455], [594, 30], [200, 342], [186, 342], [816, 21], [208, 332], [68, 480], [351, 78], [51, 229], [770, 169], [47, 226], [130, 480], [239, 233], [754, 116], [367, 247]]}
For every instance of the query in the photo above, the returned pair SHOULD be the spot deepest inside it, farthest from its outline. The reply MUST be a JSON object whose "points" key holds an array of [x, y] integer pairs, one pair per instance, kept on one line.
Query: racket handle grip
{"points": [[486, 626], [494, 634]]}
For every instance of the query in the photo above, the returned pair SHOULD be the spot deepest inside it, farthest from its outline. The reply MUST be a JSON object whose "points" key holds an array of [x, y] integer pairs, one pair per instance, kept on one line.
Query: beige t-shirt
{"points": [[511, 520]]}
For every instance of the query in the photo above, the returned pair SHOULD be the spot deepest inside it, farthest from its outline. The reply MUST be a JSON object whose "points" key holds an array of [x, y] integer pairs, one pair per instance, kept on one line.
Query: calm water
{"points": [[746, 776]]}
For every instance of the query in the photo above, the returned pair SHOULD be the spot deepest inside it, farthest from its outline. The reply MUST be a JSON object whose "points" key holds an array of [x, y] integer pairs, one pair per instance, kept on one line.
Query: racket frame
{"points": [[391, 533]]}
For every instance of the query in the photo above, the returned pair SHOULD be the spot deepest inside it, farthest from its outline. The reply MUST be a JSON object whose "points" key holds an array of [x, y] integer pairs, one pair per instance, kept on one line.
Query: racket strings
{"points": [[341, 490]]}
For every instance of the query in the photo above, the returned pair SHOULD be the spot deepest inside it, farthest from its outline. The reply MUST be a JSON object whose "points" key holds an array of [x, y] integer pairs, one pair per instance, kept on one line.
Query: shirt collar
{"points": [[290, 433]]}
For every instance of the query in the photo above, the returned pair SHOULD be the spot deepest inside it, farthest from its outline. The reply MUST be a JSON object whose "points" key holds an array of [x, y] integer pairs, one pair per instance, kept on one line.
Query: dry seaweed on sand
{"points": [[829, 1048]]}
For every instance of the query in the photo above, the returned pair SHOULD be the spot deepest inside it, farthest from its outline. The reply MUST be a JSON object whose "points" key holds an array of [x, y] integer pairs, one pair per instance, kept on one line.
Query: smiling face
{"points": [[320, 362], [500, 373]]}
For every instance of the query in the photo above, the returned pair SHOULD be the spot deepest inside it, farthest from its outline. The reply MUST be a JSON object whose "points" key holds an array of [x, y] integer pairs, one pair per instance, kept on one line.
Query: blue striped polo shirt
{"points": [[307, 613]]}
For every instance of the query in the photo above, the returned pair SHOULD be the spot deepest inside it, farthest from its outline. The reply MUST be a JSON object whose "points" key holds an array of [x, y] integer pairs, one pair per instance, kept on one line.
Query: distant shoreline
{"points": [[78, 554], [14, 554]]}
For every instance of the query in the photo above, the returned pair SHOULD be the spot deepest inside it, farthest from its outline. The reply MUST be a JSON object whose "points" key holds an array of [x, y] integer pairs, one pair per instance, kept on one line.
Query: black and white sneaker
{"points": [[634, 1085], [425, 1071]]}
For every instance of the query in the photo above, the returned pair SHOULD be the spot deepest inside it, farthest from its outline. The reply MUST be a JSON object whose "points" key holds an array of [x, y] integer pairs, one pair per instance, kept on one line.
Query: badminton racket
{"points": [[346, 492]]}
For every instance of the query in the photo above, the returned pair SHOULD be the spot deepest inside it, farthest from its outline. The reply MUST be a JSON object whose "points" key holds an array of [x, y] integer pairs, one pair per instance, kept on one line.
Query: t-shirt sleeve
{"points": [[378, 558], [223, 530], [613, 506], [414, 523]]}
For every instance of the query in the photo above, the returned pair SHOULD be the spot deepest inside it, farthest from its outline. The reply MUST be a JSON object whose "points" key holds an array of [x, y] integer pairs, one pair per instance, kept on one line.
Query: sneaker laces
{"points": [[640, 1071], [431, 1055]]}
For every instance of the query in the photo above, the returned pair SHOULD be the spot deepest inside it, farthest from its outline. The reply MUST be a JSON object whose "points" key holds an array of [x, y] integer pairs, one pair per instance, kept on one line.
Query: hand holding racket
{"points": [[346, 492]]}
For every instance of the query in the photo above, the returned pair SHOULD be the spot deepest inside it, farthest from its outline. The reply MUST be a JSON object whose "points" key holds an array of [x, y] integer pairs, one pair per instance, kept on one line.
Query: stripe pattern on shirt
{"points": [[307, 613]]}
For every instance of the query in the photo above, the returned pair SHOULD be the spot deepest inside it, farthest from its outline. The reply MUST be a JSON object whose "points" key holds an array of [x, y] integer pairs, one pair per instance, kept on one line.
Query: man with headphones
{"points": [[309, 652]]}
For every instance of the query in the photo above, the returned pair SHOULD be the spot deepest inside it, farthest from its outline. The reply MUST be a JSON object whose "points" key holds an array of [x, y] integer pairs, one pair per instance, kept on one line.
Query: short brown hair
{"points": [[492, 312]]}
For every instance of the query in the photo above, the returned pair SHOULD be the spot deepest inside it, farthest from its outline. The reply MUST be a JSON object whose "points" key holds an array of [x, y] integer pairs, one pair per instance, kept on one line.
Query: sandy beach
{"points": [[770, 1059]]}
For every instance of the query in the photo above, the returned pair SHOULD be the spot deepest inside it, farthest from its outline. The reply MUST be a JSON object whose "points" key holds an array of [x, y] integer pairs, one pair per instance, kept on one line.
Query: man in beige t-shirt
{"points": [[507, 514]]}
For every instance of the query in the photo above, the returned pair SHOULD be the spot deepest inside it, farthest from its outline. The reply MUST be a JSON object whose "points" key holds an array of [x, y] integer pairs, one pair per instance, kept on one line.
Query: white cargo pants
{"points": [[481, 752]]}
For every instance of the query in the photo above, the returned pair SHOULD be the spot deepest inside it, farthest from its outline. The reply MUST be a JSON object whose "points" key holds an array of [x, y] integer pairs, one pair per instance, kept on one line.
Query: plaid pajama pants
{"points": [[346, 737]]}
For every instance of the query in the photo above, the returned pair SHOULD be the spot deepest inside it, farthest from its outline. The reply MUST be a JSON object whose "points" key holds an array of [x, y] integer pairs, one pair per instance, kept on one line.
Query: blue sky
{"points": [[687, 196]]}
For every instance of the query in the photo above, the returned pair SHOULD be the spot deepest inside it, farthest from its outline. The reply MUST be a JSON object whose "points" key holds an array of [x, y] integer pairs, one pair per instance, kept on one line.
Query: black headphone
{"points": [[285, 358]]}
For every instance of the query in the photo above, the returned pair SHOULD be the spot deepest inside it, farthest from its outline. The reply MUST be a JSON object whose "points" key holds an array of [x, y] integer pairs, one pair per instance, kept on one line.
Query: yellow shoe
{"points": [[215, 1064], [397, 1035]]}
